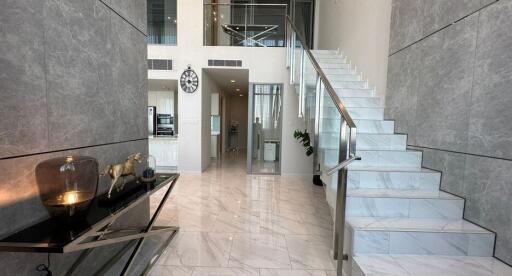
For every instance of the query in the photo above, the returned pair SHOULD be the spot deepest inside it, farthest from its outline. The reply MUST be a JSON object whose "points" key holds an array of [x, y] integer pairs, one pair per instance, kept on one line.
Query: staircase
{"points": [[399, 222]]}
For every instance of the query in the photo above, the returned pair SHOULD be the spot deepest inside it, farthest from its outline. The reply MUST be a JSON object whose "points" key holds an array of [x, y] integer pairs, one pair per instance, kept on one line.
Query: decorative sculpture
{"points": [[121, 170]]}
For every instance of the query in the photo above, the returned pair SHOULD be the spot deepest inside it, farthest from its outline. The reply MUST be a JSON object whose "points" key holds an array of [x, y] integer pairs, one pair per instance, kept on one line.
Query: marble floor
{"points": [[238, 224]]}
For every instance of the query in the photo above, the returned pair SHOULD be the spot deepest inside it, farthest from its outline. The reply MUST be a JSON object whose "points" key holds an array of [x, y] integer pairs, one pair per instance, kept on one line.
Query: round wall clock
{"points": [[189, 80]]}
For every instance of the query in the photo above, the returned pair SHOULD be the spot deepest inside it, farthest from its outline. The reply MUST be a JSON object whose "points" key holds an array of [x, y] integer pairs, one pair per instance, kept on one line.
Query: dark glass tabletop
{"points": [[52, 235]]}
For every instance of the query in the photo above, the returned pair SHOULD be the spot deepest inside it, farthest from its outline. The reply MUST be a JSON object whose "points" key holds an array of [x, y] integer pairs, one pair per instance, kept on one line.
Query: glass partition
{"points": [[162, 22], [246, 25], [265, 111]]}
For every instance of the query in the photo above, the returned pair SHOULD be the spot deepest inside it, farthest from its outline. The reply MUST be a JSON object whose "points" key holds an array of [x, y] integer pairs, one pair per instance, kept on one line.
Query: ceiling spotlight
{"points": [[233, 81], [238, 90], [241, 95]]}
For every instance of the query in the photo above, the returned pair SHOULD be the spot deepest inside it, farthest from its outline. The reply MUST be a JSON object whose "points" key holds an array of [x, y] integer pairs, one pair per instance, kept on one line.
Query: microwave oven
{"points": [[164, 120]]}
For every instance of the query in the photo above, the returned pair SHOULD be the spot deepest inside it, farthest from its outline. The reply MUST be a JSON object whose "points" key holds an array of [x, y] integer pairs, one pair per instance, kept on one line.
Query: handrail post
{"points": [[341, 196]]}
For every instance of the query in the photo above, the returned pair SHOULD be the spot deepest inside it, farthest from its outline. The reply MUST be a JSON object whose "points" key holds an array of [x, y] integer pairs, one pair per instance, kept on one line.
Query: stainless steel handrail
{"points": [[342, 165]]}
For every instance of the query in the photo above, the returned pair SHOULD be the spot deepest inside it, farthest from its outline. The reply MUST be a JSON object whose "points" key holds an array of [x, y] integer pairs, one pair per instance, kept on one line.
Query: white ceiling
{"points": [[223, 79]]}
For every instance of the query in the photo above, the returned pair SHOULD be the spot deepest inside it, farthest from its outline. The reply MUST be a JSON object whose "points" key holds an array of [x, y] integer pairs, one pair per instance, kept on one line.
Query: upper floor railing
{"points": [[245, 25]]}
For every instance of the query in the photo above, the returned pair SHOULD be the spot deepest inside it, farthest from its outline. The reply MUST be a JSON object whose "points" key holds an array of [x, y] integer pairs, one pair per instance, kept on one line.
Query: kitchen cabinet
{"points": [[163, 100], [165, 150]]}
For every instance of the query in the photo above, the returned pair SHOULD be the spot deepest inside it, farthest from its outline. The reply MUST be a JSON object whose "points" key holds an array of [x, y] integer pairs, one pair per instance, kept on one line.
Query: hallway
{"points": [[238, 224]]}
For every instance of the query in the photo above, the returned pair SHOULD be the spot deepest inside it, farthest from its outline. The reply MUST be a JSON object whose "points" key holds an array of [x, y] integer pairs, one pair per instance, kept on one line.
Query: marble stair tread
{"points": [[415, 225], [422, 265], [394, 193]]}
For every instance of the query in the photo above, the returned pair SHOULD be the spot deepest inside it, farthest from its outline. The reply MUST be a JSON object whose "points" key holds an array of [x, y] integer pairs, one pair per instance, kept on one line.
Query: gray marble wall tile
{"points": [[134, 11], [130, 84], [406, 23], [450, 164], [79, 78], [403, 80], [440, 13], [458, 112], [488, 191], [490, 128], [444, 94], [23, 124]]}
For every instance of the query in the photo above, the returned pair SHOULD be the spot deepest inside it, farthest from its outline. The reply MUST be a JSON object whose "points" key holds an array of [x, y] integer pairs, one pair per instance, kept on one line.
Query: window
{"points": [[162, 22]]}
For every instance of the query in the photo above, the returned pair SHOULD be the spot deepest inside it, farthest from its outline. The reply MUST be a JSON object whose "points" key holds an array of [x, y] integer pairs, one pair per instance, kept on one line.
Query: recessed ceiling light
{"points": [[233, 81], [241, 95], [238, 89]]}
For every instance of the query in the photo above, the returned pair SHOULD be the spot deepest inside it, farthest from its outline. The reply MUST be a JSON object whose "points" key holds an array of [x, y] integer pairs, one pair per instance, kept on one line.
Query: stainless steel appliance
{"points": [[152, 120], [164, 124]]}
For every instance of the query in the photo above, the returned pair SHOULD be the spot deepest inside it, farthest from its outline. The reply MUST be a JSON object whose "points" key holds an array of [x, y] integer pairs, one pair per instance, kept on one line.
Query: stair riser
{"points": [[381, 142], [334, 66], [367, 142], [359, 93], [404, 207], [346, 77], [331, 59], [393, 180], [422, 243], [375, 126], [332, 71], [361, 113], [410, 159], [349, 84]]}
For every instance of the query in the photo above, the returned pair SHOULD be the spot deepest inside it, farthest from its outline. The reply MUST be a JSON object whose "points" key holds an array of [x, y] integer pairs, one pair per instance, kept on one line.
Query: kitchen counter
{"points": [[175, 137]]}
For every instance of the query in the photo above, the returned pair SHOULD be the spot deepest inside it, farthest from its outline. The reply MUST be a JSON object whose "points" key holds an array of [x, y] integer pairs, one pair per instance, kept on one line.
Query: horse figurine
{"points": [[121, 170]]}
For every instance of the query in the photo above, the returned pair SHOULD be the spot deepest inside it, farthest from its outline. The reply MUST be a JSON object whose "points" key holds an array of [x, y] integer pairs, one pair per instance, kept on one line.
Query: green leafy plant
{"points": [[304, 139]]}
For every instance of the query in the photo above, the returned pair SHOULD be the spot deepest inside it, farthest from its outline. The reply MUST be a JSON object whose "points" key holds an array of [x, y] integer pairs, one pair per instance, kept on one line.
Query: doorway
{"points": [[228, 93], [265, 124]]}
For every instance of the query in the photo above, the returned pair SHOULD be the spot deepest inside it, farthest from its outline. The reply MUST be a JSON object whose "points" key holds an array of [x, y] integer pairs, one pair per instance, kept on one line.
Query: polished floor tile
{"points": [[259, 251], [232, 223], [198, 249], [286, 272]]}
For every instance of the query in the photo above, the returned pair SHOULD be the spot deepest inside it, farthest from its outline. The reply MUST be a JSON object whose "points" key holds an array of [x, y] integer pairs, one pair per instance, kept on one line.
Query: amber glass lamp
{"points": [[67, 184]]}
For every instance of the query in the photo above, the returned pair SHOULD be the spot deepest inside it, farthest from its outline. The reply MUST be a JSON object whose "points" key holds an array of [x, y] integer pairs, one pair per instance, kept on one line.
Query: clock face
{"points": [[189, 81]]}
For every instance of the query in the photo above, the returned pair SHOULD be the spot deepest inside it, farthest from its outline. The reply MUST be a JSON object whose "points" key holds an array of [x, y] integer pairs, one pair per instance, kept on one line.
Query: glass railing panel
{"points": [[298, 55], [329, 143], [309, 90], [246, 25]]}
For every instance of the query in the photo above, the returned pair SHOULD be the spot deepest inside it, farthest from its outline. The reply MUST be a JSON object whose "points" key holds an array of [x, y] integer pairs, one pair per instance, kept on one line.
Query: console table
{"points": [[54, 236]]}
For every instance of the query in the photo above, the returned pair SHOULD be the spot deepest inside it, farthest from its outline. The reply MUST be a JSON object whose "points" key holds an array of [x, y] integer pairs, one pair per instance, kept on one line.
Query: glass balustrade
{"points": [[332, 130]]}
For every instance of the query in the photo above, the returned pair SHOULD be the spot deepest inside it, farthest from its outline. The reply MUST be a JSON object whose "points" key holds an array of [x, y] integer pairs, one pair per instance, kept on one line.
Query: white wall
{"points": [[360, 29], [294, 159], [266, 65]]}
